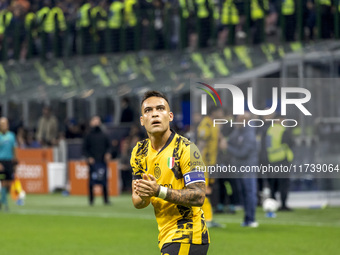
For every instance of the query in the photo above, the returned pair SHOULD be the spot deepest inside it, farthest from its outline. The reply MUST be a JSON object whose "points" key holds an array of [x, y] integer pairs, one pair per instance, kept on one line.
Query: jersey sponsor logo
{"points": [[196, 163], [157, 171], [196, 155], [171, 162]]}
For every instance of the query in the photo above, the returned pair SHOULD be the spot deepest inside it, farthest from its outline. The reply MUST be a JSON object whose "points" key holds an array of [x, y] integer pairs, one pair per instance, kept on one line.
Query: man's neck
{"points": [[159, 140]]}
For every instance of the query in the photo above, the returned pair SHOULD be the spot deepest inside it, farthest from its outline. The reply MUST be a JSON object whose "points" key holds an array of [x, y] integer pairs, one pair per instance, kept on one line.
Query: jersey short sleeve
{"points": [[192, 165]]}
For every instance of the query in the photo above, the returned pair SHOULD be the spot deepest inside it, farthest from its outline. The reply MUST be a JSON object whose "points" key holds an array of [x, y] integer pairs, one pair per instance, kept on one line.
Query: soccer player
{"points": [[208, 139], [7, 159], [164, 174]]}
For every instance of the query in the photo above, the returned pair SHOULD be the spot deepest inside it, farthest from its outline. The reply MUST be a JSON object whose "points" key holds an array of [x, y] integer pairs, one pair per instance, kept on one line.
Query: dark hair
{"points": [[154, 93]]}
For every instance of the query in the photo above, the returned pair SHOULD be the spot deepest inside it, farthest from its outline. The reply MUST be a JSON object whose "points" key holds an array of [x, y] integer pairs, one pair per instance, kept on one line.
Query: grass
{"points": [[54, 224]]}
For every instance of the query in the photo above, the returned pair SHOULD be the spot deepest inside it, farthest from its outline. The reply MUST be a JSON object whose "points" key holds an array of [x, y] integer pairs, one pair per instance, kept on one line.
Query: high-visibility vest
{"points": [[5, 20], [116, 19], [29, 19], [288, 7], [276, 150], [100, 23], [129, 14], [50, 22], [202, 11], [229, 13], [43, 12], [265, 5], [256, 10], [325, 2], [83, 16], [184, 9]]}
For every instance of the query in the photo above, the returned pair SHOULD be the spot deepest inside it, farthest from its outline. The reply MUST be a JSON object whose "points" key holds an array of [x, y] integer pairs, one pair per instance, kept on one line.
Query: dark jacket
{"points": [[96, 144], [242, 146]]}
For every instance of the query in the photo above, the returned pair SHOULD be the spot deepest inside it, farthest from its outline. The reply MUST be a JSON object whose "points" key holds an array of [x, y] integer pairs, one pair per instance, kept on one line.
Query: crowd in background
{"points": [[67, 27], [227, 193]]}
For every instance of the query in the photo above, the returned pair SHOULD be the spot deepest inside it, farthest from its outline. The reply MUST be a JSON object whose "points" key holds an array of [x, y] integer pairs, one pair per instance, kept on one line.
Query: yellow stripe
{"points": [[184, 250]]}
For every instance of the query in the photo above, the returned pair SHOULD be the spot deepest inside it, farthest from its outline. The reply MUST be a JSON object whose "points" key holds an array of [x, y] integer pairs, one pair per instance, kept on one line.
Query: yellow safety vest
{"points": [[50, 24], [325, 2], [288, 7], [84, 19], [29, 19], [256, 11], [202, 11], [115, 20], [5, 20], [184, 9], [100, 24], [40, 15], [277, 151], [130, 16], [229, 13], [265, 5]]}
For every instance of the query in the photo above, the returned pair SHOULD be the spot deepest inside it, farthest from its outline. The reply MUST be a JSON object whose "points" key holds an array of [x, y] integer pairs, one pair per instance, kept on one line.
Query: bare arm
{"points": [[193, 195], [138, 202]]}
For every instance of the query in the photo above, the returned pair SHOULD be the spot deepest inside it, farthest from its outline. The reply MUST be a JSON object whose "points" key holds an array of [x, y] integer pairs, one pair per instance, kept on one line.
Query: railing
{"points": [[20, 41]]}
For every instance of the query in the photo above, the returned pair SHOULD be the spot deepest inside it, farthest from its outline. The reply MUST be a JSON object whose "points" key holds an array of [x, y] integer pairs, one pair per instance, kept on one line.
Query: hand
{"points": [[147, 187], [1, 167], [208, 190]]}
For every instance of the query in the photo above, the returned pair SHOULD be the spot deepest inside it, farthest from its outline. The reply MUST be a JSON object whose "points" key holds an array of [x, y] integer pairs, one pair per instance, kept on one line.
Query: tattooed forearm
{"points": [[193, 195]]}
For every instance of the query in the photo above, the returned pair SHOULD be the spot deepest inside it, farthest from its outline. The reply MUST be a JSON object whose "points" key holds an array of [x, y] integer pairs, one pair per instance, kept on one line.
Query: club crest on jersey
{"points": [[171, 162], [157, 171]]}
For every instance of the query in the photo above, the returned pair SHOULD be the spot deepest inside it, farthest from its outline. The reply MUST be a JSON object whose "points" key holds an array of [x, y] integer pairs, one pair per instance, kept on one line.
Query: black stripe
{"points": [[173, 133]]}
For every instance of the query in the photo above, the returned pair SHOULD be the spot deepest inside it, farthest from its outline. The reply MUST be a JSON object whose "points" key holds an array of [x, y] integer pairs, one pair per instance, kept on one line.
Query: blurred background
{"points": [[86, 58]]}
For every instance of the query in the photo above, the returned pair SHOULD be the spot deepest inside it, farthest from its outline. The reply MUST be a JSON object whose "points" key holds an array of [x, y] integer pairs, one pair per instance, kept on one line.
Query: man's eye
{"points": [[146, 110]]}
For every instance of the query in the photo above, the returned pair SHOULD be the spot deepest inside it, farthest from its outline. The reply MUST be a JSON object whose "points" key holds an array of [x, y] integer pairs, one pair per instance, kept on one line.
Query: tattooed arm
{"points": [[193, 195]]}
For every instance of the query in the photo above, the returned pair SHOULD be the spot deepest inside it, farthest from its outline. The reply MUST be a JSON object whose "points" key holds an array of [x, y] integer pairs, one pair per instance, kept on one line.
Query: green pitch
{"points": [[53, 224]]}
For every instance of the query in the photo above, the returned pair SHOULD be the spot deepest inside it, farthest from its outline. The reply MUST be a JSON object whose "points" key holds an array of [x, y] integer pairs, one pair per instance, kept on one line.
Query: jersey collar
{"points": [[171, 137]]}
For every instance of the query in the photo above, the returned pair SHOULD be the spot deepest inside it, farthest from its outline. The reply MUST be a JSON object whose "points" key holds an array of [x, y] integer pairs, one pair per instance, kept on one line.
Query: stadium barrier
{"points": [[39, 174], [32, 169], [33, 176], [79, 174]]}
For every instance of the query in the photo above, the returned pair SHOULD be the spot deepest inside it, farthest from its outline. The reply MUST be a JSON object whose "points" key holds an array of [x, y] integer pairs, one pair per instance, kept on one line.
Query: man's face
{"points": [[156, 115], [3, 125], [95, 122]]}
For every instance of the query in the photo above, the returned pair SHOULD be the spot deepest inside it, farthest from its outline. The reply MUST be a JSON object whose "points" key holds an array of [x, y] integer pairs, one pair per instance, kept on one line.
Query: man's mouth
{"points": [[155, 122]]}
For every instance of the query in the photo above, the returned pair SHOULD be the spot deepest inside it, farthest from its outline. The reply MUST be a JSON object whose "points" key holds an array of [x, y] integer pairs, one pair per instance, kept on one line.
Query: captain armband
{"points": [[193, 177]]}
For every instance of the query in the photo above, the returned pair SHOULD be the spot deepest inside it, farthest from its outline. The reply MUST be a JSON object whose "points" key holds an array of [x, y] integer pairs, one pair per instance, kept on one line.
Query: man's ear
{"points": [[171, 116], [141, 121]]}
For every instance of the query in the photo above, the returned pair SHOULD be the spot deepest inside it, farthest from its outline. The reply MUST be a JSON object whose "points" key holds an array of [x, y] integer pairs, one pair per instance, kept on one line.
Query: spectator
{"points": [[47, 131], [125, 168], [243, 149], [127, 112], [97, 150], [21, 138], [31, 141]]}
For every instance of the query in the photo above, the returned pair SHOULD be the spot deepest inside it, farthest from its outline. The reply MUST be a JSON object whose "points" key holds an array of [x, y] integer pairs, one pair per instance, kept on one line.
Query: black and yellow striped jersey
{"points": [[174, 167]]}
